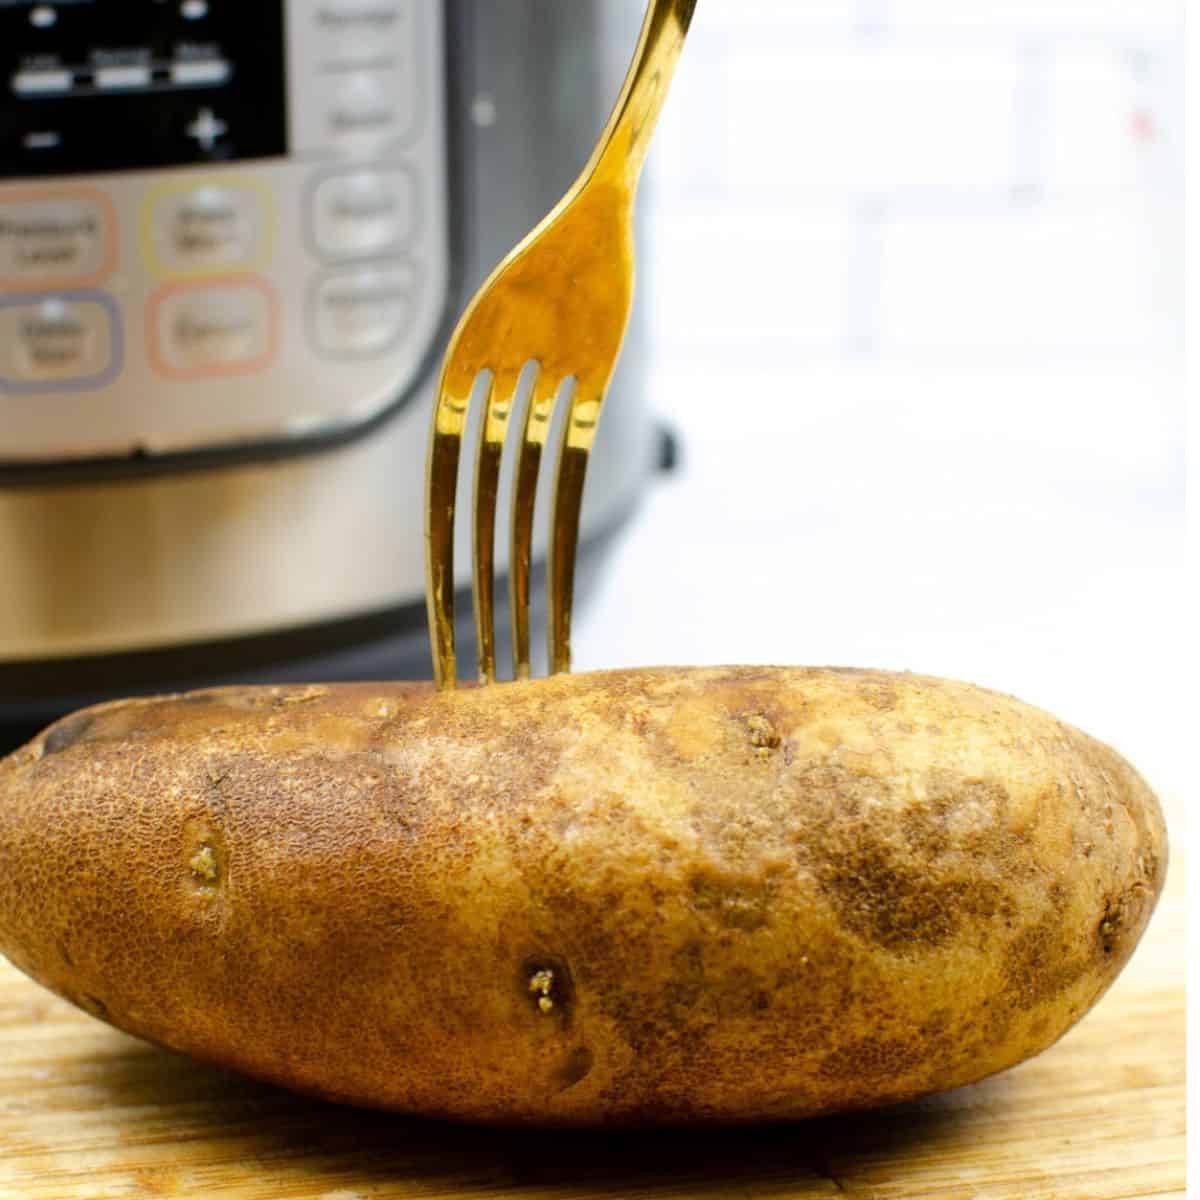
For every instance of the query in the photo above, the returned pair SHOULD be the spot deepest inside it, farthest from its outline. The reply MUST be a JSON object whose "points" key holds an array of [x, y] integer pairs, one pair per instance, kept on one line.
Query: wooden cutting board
{"points": [[87, 1113]]}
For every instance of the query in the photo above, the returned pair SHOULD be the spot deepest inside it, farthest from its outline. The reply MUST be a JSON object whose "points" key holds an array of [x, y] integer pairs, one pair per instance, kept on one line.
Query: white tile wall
{"points": [[1067, 18], [867, 118], [1041, 282], [1100, 130], [932, 177], [770, 19], [726, 283]]}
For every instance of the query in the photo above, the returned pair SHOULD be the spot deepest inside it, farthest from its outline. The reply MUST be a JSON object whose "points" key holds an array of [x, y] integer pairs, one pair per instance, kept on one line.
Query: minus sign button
{"points": [[45, 139]]}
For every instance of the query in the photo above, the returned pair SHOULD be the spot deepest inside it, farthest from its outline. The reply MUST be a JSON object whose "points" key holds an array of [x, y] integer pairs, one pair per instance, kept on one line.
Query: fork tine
{"points": [[578, 434], [538, 414], [441, 474], [493, 427]]}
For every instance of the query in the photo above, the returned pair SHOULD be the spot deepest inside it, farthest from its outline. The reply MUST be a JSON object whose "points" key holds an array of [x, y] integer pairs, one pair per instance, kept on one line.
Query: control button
{"points": [[41, 139], [226, 327], [210, 224], [42, 81], [212, 227], [358, 73], [206, 129], [372, 17], [362, 67], [362, 105], [349, 30], [200, 71], [358, 109], [363, 213], [128, 75], [55, 238], [54, 340], [361, 311]]}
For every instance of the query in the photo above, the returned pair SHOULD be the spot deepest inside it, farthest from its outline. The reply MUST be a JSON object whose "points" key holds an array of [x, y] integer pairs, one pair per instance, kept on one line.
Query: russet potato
{"points": [[618, 898]]}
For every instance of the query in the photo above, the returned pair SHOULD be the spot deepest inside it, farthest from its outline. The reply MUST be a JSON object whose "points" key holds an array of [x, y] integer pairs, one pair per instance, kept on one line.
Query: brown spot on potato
{"points": [[898, 871], [1041, 961], [94, 1005], [749, 674], [686, 982], [216, 778], [737, 902], [249, 699], [841, 798], [577, 1066], [1122, 919], [880, 696], [1039, 1029], [737, 993], [863, 1060], [67, 732], [887, 900]]}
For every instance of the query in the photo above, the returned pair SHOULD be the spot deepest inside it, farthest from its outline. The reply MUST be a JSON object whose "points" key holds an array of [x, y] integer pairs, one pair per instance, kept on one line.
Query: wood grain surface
{"points": [[87, 1113]]}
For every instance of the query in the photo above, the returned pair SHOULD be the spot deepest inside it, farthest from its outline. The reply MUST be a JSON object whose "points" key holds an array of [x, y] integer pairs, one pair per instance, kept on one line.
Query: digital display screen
{"points": [[102, 85]]}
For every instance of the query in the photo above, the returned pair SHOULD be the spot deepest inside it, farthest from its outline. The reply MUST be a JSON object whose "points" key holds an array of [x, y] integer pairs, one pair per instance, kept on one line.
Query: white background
{"points": [[912, 273]]}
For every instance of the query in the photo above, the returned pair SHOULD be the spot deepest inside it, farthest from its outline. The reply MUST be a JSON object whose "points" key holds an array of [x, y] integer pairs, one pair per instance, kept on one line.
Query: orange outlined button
{"points": [[56, 239], [223, 326]]}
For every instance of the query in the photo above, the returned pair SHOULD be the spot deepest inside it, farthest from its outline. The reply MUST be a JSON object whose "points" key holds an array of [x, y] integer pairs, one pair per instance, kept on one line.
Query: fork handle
{"points": [[622, 147]]}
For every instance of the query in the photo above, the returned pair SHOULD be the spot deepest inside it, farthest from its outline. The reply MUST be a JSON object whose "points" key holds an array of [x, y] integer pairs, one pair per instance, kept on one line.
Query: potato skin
{"points": [[629, 897]]}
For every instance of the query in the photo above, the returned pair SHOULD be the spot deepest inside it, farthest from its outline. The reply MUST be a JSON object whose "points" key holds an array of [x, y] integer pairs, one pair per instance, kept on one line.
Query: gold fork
{"points": [[561, 298]]}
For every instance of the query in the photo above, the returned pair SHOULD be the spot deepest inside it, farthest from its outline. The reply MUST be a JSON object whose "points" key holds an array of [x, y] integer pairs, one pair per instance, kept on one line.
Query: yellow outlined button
{"points": [[208, 225]]}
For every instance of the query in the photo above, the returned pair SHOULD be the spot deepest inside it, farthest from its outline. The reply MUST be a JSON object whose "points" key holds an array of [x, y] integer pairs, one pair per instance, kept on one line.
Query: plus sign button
{"points": [[206, 128]]}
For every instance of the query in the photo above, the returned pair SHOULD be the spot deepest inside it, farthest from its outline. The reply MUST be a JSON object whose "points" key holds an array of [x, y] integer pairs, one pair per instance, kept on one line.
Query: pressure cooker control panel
{"points": [[221, 221]]}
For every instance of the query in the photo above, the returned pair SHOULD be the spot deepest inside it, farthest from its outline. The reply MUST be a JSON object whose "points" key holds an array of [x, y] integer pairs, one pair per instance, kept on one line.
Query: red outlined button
{"points": [[56, 238], [222, 326]]}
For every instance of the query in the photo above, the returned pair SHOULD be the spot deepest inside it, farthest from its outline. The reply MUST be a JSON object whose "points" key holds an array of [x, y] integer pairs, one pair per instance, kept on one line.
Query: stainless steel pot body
{"points": [[303, 553]]}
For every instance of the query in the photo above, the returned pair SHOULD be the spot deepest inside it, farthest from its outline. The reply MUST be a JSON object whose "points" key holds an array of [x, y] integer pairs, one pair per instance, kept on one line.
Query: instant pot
{"points": [[233, 240]]}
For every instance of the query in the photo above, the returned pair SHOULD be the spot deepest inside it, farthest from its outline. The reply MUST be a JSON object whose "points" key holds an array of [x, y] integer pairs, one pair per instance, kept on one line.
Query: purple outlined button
{"points": [[59, 341]]}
